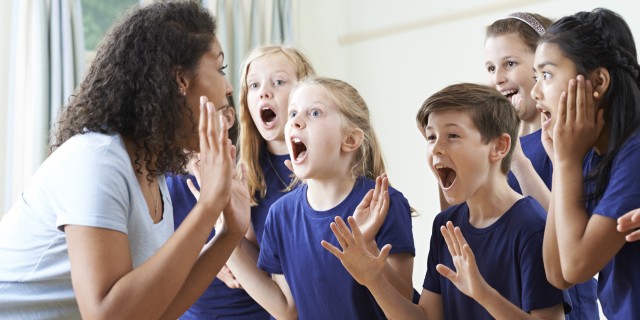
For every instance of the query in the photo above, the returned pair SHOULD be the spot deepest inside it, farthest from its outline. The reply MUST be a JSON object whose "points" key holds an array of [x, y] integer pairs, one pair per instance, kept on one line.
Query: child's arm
{"points": [[369, 271], [529, 180], [550, 253], [468, 280], [630, 222], [586, 244], [272, 293]]}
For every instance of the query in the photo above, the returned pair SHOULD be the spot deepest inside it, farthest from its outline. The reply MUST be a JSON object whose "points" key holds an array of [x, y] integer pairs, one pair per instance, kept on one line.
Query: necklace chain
{"points": [[155, 202], [276, 172]]}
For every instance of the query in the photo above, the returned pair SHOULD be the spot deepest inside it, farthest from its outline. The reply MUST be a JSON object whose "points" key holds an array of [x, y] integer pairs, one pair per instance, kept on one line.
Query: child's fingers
{"points": [[384, 253], [633, 236], [193, 189], [469, 256], [459, 237], [366, 201], [581, 113], [562, 109], [355, 230], [331, 248], [446, 272], [448, 239], [571, 102], [339, 235], [589, 110]]}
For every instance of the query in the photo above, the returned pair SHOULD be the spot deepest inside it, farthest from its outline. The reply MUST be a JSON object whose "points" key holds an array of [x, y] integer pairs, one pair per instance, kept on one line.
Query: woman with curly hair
{"points": [[92, 236]]}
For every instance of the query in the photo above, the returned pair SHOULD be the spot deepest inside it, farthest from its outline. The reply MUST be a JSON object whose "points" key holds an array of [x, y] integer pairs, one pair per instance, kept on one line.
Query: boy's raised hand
{"points": [[578, 124], [630, 221], [467, 277], [355, 257], [372, 210]]}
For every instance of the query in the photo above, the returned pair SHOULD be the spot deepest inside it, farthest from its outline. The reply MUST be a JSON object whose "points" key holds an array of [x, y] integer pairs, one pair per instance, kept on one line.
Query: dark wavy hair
{"points": [[601, 38], [131, 86]]}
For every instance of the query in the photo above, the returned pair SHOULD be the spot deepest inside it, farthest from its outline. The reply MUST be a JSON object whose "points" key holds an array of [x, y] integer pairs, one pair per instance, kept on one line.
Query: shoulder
{"points": [[527, 215]]}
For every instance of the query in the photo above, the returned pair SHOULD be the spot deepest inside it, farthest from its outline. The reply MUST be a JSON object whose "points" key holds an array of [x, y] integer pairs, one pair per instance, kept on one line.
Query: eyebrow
{"points": [[446, 125], [544, 64]]}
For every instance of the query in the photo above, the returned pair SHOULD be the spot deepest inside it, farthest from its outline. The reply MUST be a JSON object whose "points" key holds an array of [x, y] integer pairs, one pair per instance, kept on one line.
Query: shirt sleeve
{"points": [[96, 190], [623, 190], [537, 292], [269, 257], [397, 228]]}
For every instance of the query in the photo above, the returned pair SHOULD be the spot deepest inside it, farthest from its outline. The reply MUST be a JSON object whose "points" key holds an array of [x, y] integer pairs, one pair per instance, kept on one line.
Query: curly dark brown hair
{"points": [[131, 86]]}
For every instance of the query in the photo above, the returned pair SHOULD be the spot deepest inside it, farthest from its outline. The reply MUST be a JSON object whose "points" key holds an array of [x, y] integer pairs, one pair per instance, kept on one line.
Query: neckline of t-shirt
{"points": [[467, 227], [338, 209]]}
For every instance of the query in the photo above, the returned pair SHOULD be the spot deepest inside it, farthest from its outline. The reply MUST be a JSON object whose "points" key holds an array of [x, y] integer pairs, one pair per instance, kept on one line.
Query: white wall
{"points": [[395, 73], [5, 42]]}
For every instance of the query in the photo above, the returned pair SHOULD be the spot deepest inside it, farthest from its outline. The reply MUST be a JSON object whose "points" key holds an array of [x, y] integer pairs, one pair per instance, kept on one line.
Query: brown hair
{"points": [[512, 25], [489, 110]]}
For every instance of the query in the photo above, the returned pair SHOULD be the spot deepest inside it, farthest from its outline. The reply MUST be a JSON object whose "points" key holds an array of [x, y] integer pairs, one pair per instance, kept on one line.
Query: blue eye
{"points": [[253, 85], [293, 114], [278, 82], [315, 113]]}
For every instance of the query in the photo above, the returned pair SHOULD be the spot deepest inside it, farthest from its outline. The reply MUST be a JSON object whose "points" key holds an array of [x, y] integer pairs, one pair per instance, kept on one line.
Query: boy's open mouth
{"points": [[447, 175], [267, 115], [299, 149]]}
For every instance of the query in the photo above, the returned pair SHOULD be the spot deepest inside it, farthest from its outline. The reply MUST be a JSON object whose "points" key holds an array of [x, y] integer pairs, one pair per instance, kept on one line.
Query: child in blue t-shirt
{"points": [[509, 48], [587, 90], [269, 74], [334, 150], [469, 130]]}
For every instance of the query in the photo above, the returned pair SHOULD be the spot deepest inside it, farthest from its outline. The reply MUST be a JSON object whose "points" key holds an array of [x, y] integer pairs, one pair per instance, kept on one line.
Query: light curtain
{"points": [[246, 24], [47, 59]]}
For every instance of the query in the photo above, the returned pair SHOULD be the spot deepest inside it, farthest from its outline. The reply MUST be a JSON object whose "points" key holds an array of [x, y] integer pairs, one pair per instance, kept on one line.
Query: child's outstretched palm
{"points": [[355, 256], [467, 277], [372, 210]]}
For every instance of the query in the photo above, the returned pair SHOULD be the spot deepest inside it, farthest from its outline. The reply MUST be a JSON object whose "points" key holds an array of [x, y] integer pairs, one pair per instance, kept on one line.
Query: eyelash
{"points": [[222, 69]]}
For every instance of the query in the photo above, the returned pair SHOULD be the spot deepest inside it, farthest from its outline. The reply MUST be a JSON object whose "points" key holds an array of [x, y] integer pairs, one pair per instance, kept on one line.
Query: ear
{"points": [[600, 79], [500, 148], [352, 140], [182, 79]]}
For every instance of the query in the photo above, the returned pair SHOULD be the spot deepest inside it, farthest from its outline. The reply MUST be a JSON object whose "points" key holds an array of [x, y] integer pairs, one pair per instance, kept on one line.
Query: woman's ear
{"points": [[501, 147], [352, 140], [600, 79], [182, 80]]}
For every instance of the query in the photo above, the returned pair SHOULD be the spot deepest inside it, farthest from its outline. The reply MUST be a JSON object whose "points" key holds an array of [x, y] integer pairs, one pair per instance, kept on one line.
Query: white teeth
{"points": [[508, 92], [296, 140], [439, 166]]}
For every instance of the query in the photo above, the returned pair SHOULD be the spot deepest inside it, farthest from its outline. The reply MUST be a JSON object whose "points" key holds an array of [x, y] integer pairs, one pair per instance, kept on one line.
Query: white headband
{"points": [[529, 20]]}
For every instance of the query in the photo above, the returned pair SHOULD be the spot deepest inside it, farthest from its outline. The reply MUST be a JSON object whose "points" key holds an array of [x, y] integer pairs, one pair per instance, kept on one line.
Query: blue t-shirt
{"points": [[508, 254], [218, 301], [534, 151], [321, 287], [619, 281], [583, 295]]}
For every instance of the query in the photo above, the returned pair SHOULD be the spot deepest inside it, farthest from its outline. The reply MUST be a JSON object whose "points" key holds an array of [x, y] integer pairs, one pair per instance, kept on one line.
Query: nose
{"points": [[437, 147], [228, 88], [499, 76], [296, 122], [535, 91], [265, 93]]}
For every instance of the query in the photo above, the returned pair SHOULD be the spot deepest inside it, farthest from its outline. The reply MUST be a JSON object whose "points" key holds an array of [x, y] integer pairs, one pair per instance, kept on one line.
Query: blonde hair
{"points": [[368, 161], [251, 144]]}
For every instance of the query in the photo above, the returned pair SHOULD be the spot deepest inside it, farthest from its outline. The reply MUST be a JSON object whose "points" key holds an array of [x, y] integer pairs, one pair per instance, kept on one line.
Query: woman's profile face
{"points": [[208, 80]]}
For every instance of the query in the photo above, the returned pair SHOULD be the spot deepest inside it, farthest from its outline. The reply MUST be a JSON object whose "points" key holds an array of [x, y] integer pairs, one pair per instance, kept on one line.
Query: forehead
{"points": [[272, 62], [308, 95], [447, 116], [506, 44]]}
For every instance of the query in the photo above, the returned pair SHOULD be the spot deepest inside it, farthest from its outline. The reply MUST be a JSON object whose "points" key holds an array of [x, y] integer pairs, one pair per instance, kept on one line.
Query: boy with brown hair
{"points": [[470, 130]]}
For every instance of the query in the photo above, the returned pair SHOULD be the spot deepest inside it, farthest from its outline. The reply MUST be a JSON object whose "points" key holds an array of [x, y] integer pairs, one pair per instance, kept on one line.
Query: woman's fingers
{"points": [[571, 102]]}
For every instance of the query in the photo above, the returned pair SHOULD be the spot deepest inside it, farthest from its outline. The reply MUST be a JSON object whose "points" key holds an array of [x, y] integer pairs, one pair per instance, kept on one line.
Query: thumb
{"points": [[446, 272]]}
